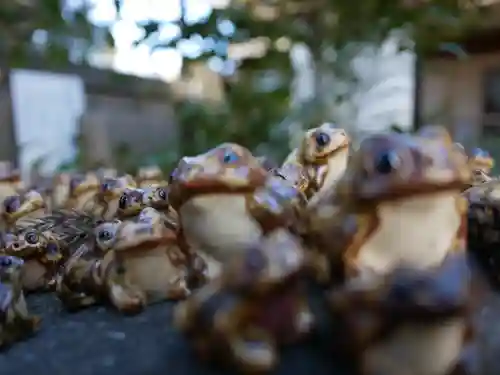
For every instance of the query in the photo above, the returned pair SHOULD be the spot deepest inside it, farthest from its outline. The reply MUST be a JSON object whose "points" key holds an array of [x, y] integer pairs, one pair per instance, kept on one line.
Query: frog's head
{"points": [[130, 203], [323, 142], [29, 244], [227, 169], [81, 184], [157, 198], [481, 160], [146, 232], [112, 189], [392, 166], [21, 205]]}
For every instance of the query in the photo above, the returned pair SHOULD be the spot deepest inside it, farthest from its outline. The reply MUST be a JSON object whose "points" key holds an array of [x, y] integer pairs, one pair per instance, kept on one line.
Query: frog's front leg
{"points": [[126, 297]]}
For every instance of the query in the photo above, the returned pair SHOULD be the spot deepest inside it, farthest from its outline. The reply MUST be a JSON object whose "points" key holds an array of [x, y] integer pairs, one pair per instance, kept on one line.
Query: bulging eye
{"points": [[31, 238], [387, 162], [52, 248], [105, 235], [5, 261], [162, 194], [123, 202], [230, 157], [322, 139]]}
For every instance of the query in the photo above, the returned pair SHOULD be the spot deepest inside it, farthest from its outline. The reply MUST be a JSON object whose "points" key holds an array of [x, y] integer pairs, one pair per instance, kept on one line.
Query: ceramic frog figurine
{"points": [[323, 154], [15, 321], [131, 203], [113, 191], [226, 201], [481, 163], [19, 210], [83, 189], [157, 198], [400, 233], [141, 265], [42, 255], [255, 306], [10, 180], [150, 176]]}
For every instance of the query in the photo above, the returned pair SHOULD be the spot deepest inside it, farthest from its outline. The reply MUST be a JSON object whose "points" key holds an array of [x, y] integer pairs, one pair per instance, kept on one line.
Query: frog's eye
{"points": [[322, 139], [230, 157], [105, 235], [11, 204], [5, 261], [52, 248], [162, 194], [31, 238], [123, 202], [387, 162]]}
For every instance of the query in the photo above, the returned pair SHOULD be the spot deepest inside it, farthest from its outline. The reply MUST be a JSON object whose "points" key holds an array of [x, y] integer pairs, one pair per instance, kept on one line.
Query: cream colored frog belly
{"points": [[416, 232], [419, 238], [218, 225]]}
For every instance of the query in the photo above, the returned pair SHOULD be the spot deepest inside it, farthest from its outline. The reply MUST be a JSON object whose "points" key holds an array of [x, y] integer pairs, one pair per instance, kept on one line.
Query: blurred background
{"points": [[123, 83]]}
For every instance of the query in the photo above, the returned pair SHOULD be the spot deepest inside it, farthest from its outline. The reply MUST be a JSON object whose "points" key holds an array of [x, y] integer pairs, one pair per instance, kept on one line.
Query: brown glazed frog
{"points": [[113, 191], [226, 202], [150, 176], [400, 232], [141, 265], [255, 306], [19, 210], [10, 180], [323, 153], [83, 189], [42, 254], [15, 321]]}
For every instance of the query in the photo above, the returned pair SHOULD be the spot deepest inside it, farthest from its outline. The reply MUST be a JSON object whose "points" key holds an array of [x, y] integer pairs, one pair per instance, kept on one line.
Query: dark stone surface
{"points": [[99, 341]]}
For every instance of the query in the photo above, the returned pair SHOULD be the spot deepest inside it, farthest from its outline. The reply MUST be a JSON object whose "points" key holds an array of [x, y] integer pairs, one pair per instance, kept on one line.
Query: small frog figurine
{"points": [[400, 233], [42, 255], [481, 163], [112, 194], [323, 154], [255, 306], [150, 176], [19, 210], [10, 180], [227, 201], [83, 189], [141, 264], [15, 321]]}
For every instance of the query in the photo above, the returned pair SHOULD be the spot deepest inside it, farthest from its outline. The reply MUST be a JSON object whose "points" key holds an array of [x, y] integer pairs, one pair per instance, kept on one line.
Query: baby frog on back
{"points": [[481, 163], [15, 321], [150, 176], [255, 306], [42, 255], [157, 198], [19, 210], [323, 154], [111, 192], [130, 203], [401, 235]]}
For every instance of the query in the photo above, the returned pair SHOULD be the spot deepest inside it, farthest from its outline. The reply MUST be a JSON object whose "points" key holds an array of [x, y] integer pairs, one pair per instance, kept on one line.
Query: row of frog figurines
{"points": [[379, 231]]}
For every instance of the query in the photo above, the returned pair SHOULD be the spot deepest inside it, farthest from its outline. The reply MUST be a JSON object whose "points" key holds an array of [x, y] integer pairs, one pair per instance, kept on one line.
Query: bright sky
{"points": [[164, 63]]}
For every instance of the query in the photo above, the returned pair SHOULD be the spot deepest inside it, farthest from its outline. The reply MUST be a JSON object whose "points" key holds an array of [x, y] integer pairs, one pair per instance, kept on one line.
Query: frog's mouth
{"points": [[142, 236], [182, 190]]}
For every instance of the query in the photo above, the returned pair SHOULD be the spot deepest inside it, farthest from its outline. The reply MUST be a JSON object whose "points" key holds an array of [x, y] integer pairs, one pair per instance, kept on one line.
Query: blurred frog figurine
{"points": [[10, 180], [113, 193], [323, 154], [481, 164], [256, 306], [141, 265], [400, 234], [150, 176], [15, 321], [21, 209], [226, 201], [83, 189], [42, 255]]}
